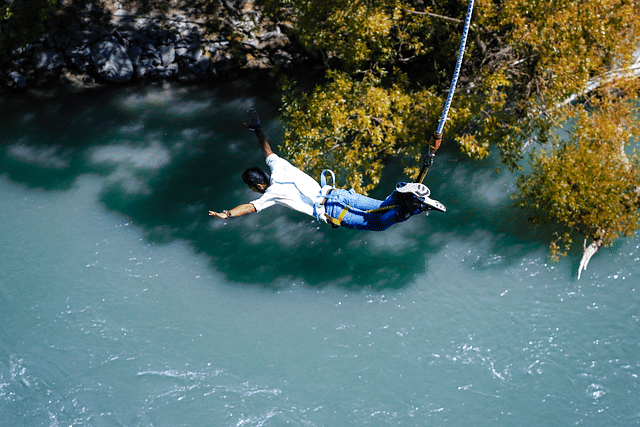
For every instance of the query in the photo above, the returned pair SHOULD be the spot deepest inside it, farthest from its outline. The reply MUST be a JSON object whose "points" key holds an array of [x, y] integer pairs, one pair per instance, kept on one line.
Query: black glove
{"points": [[254, 120]]}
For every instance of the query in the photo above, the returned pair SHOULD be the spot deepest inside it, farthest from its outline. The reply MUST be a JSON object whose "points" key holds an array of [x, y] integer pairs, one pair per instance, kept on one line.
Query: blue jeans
{"points": [[365, 213]]}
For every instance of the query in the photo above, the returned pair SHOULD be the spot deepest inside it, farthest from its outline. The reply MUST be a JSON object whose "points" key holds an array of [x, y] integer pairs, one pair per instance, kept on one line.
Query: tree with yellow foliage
{"points": [[532, 68], [21, 22]]}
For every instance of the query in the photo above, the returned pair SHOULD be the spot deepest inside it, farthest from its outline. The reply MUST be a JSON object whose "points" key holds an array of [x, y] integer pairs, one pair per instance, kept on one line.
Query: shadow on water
{"points": [[170, 153]]}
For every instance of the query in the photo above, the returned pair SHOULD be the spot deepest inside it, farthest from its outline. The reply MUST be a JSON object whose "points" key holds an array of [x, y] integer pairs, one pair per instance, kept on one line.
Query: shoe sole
{"points": [[434, 205], [419, 190]]}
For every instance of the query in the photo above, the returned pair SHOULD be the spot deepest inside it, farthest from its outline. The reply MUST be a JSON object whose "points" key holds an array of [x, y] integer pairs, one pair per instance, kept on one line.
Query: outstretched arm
{"points": [[264, 144], [244, 209], [254, 125]]}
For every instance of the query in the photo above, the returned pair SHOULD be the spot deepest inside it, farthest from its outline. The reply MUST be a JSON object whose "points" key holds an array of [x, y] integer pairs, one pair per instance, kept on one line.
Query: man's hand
{"points": [[223, 215], [240, 210], [253, 119], [254, 125]]}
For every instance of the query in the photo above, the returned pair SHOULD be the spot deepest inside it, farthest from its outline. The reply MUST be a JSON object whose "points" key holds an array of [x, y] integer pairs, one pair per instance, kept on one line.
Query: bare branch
{"points": [[435, 15]]}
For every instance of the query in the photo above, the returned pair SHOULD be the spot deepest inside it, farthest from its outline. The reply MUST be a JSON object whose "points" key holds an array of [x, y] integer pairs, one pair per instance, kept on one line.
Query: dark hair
{"points": [[254, 176]]}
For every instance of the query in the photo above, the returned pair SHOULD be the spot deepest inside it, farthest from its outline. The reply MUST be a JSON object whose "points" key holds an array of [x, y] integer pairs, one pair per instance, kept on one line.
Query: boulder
{"points": [[18, 79], [167, 54], [164, 72], [85, 37], [282, 59], [135, 53], [261, 62], [204, 64], [191, 52], [112, 61], [48, 60], [143, 67]]}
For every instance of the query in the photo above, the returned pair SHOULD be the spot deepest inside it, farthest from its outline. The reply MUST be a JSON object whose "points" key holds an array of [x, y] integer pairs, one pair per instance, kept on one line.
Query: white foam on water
{"points": [[153, 156], [155, 97], [50, 157], [191, 107]]}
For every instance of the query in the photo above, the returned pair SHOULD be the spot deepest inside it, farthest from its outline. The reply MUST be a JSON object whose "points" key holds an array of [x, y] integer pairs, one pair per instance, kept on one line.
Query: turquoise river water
{"points": [[123, 304]]}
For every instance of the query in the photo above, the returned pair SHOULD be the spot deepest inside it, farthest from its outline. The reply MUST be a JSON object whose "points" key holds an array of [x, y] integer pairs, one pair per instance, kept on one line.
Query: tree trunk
{"points": [[588, 252]]}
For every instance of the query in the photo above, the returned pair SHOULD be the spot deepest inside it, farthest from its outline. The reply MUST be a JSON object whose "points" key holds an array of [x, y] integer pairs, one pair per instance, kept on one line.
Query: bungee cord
{"points": [[436, 138]]}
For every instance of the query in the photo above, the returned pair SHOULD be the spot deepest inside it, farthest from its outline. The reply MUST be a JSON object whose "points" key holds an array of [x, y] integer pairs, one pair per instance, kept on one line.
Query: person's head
{"points": [[256, 179]]}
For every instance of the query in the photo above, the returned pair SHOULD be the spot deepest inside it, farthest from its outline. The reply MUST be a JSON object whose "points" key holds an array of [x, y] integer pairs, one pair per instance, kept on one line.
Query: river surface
{"points": [[123, 304]]}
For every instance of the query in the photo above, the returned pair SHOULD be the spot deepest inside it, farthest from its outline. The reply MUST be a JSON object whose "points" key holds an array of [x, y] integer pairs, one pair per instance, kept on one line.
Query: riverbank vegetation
{"points": [[550, 86]]}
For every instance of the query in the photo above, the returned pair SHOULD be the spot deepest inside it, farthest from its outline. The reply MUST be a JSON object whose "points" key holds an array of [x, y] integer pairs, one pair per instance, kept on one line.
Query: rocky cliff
{"points": [[109, 41]]}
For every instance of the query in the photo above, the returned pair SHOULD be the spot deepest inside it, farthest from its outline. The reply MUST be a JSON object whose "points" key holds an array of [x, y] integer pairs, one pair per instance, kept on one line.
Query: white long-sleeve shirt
{"points": [[289, 187]]}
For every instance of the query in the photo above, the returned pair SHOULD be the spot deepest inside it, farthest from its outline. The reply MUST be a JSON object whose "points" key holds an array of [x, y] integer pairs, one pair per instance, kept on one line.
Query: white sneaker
{"points": [[421, 192], [417, 189], [433, 205]]}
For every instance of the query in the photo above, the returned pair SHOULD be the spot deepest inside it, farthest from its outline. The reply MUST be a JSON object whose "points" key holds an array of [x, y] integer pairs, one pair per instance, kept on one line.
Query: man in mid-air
{"points": [[290, 187]]}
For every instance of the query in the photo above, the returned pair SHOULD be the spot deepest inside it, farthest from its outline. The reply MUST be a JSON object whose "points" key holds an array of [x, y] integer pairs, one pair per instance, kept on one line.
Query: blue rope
{"points": [[456, 73]]}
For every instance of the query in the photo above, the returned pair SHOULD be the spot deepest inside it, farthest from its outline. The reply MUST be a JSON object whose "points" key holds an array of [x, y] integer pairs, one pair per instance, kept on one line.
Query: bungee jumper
{"points": [[291, 187]]}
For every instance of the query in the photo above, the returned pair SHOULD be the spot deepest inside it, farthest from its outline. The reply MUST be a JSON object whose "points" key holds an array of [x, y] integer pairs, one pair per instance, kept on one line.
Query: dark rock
{"points": [[211, 49], [18, 63], [17, 52], [167, 54], [151, 50], [204, 64], [80, 64], [282, 59], [270, 34], [201, 67], [143, 67], [275, 41], [48, 60], [111, 61], [85, 37], [164, 72], [18, 79], [61, 40], [193, 52], [47, 41], [74, 51], [135, 53], [258, 63]]}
